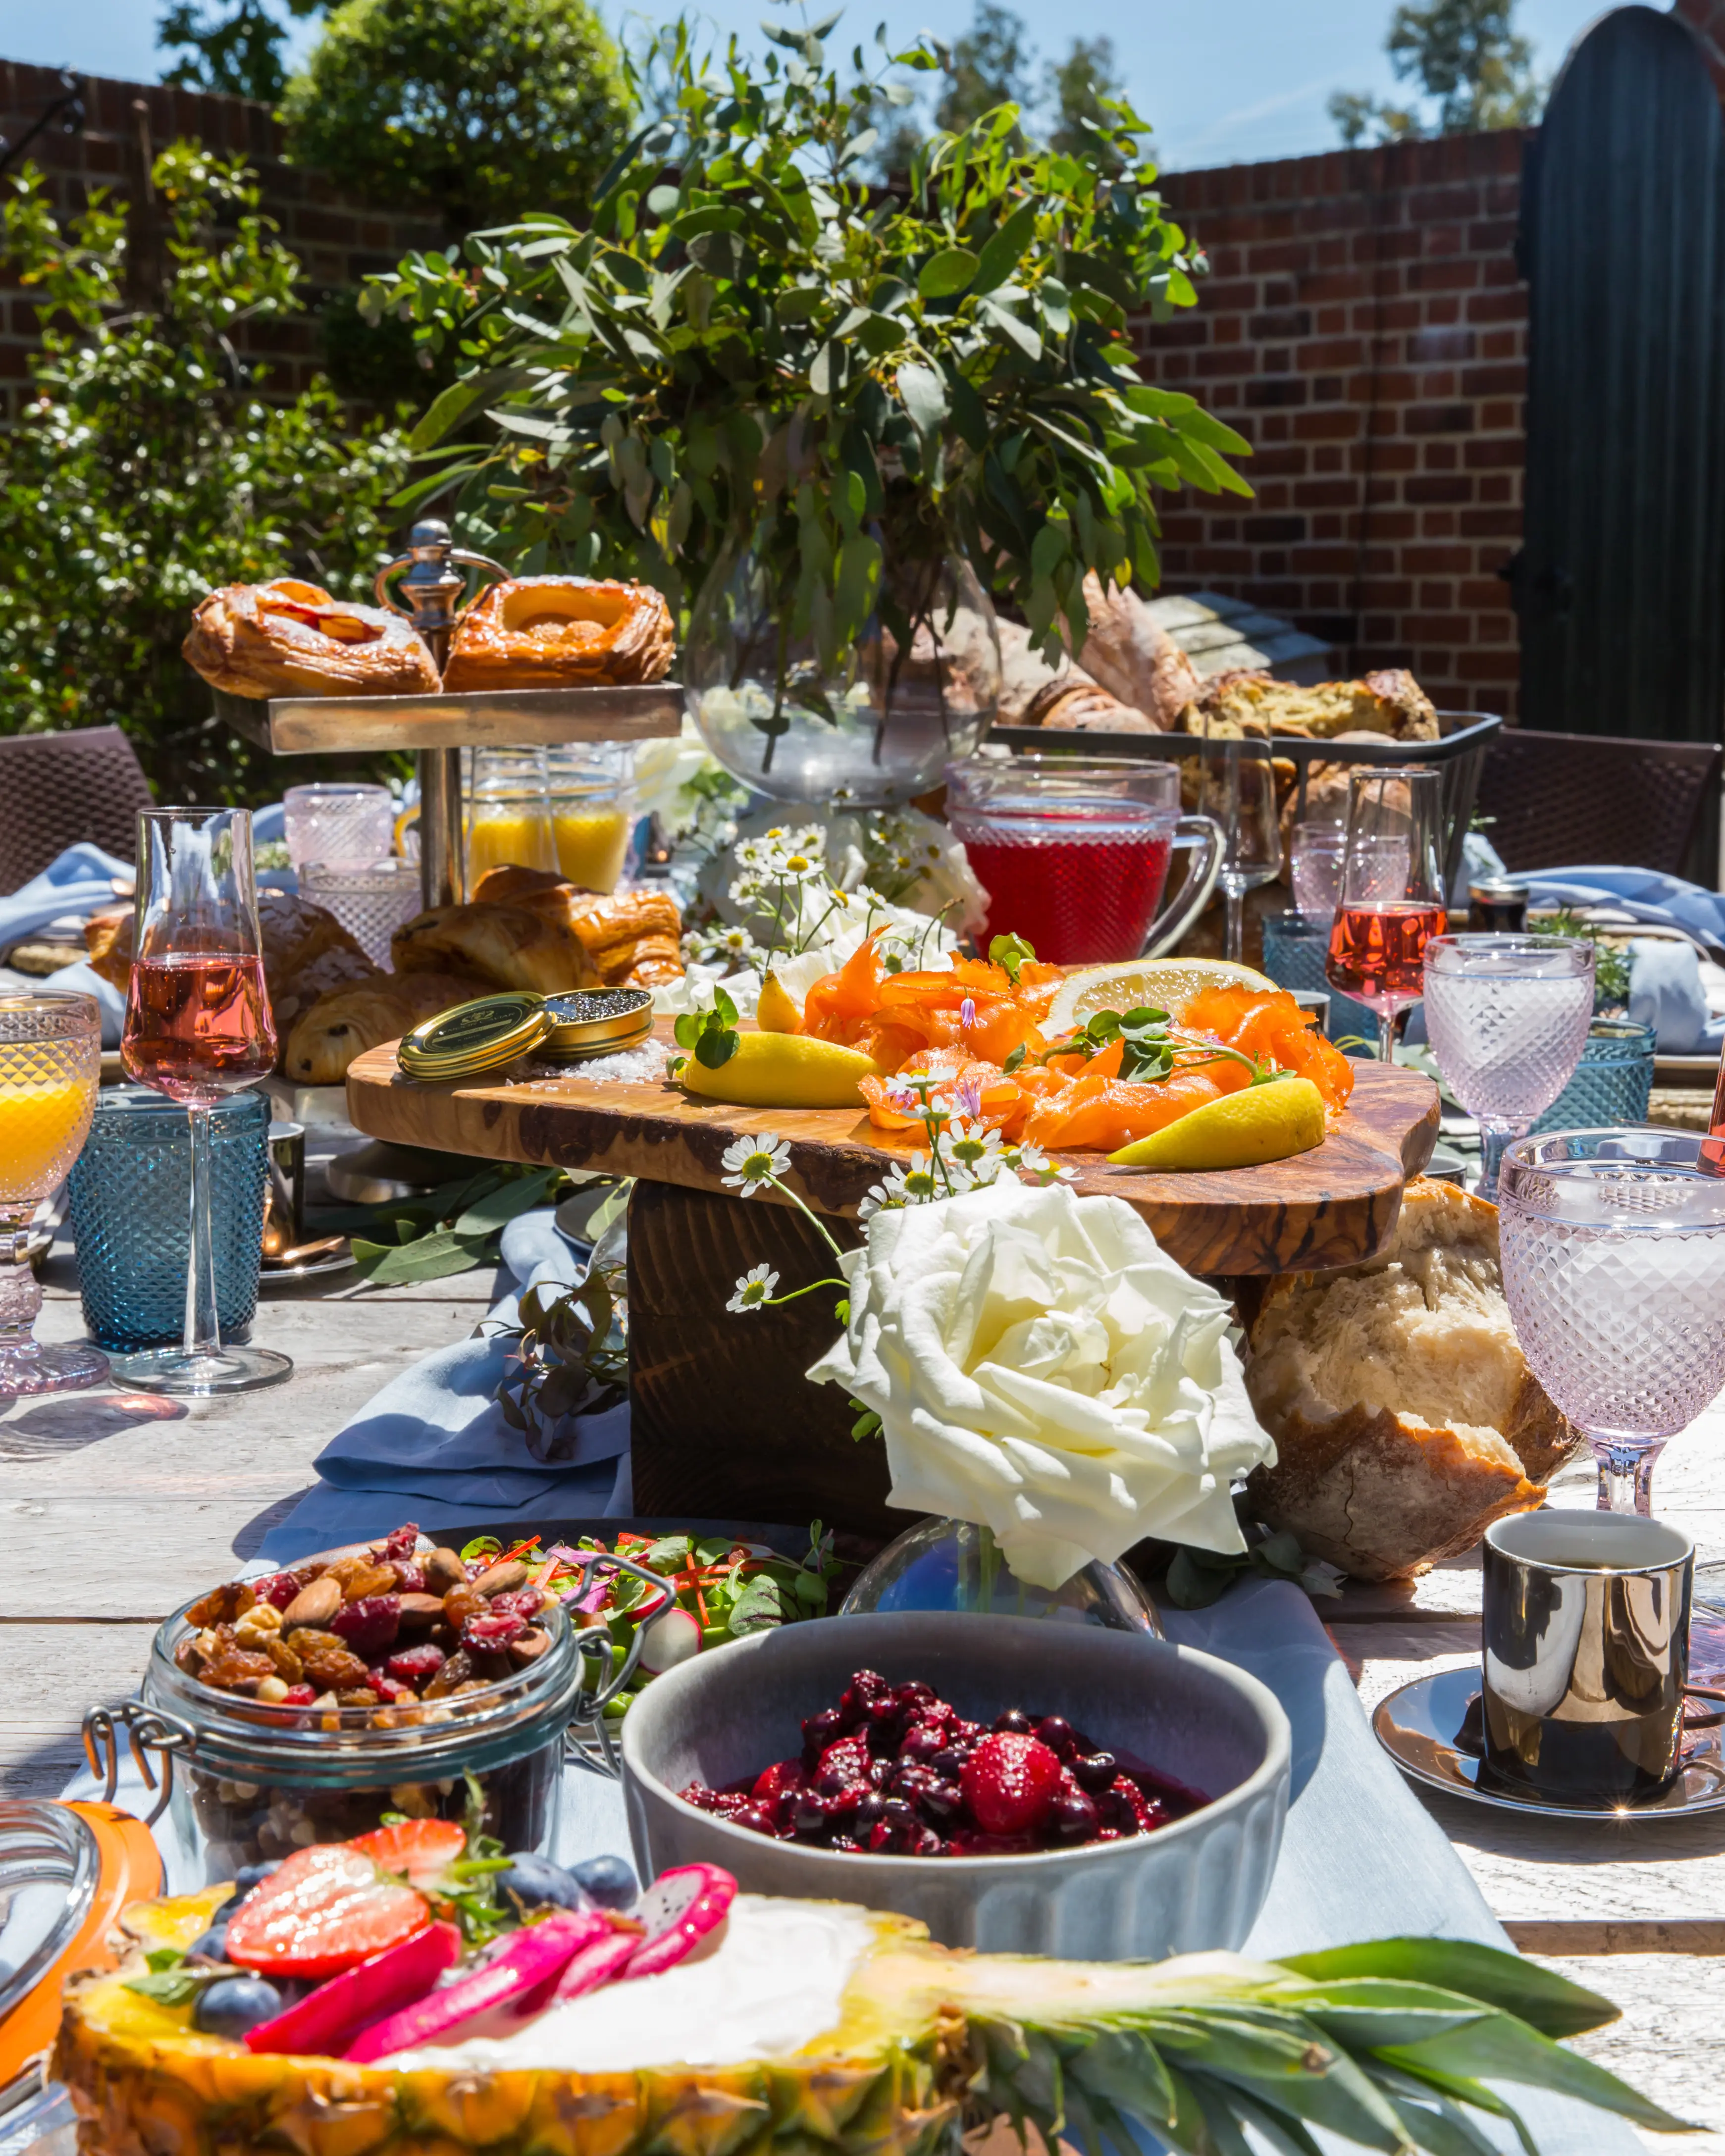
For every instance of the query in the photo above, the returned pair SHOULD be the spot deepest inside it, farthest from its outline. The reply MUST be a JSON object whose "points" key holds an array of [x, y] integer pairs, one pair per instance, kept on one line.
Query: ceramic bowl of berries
{"points": [[1019, 1786], [388, 1679]]}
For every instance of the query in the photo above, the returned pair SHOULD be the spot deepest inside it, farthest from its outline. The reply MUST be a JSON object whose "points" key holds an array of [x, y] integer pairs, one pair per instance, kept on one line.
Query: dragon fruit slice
{"points": [[594, 1965], [321, 2023], [677, 1911], [531, 1961]]}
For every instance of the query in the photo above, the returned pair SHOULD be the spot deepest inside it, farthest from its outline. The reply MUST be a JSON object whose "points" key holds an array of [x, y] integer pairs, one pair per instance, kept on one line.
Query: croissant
{"points": [[511, 947], [363, 1014], [287, 638], [631, 936], [561, 632]]}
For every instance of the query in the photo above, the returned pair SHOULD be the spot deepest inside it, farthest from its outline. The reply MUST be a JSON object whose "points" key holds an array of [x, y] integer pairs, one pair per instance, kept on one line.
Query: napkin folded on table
{"points": [[434, 1446], [1677, 988]]}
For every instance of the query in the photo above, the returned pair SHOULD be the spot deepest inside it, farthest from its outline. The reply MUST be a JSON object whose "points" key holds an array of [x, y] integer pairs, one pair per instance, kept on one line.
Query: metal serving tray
{"points": [[303, 726]]}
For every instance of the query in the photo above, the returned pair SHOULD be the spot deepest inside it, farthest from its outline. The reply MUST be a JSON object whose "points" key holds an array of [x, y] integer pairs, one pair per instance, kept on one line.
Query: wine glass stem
{"points": [[20, 1292], [1387, 1022], [1236, 925], [1625, 1474], [203, 1332], [1495, 1137]]}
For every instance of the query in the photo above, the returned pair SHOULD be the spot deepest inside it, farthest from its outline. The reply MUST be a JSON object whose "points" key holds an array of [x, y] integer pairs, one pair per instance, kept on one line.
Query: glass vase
{"points": [[875, 726], [954, 1564]]}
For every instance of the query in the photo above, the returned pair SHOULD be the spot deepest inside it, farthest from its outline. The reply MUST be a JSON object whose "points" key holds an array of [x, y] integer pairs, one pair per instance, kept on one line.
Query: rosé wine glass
{"points": [[1614, 1268], [1392, 901], [197, 1026]]}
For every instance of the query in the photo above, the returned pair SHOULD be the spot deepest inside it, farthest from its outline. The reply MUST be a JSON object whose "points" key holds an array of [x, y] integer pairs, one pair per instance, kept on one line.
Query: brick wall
{"points": [[126, 124], [1364, 327]]}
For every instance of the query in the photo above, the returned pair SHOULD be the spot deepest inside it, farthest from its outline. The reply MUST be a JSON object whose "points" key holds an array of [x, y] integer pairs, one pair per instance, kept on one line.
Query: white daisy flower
{"points": [[755, 1288], [752, 1163], [739, 941], [879, 1199], [974, 1149], [1034, 1164]]}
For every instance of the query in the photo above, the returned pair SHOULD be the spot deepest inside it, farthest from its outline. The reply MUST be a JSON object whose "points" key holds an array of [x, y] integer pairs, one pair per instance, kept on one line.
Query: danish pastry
{"points": [[510, 946], [561, 632], [287, 638], [363, 1014], [631, 936]]}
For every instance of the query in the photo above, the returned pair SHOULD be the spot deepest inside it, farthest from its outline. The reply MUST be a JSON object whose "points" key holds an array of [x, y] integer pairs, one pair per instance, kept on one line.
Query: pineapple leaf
{"points": [[1431, 2120], [1550, 2003], [1286, 2136], [1283, 2060], [1509, 2050], [1124, 2068], [1465, 2091]]}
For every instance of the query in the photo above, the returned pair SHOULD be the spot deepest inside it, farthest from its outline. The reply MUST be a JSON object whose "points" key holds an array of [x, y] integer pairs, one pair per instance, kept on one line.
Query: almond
{"points": [[313, 1605]]}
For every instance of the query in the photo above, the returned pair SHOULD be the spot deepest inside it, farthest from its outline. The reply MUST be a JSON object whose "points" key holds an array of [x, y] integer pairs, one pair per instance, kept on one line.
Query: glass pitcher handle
{"points": [[1172, 923]]}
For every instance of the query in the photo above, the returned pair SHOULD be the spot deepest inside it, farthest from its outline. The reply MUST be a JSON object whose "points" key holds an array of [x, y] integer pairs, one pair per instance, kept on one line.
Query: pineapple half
{"points": [[1383, 2043]]}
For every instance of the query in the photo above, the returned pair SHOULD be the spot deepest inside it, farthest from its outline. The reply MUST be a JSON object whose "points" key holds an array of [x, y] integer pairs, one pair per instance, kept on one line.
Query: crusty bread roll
{"points": [[1134, 657], [1391, 702], [1074, 706], [561, 632], [287, 638], [631, 936], [363, 1014], [1405, 1415], [510, 946]]}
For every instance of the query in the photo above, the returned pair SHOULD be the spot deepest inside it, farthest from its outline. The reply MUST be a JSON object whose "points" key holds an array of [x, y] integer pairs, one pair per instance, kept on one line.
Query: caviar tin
{"points": [[496, 1030]]}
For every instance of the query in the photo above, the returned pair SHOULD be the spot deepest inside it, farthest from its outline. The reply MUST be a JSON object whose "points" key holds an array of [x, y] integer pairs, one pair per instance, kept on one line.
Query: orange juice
{"points": [[43, 1122], [591, 842], [508, 833]]}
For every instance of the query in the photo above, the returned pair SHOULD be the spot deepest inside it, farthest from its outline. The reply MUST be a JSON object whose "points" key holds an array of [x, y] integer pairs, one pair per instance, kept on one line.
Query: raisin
{"points": [[455, 1670], [337, 1670], [415, 1663], [308, 1639], [365, 1579], [462, 1602], [235, 1666], [288, 1665], [357, 1695], [221, 1604]]}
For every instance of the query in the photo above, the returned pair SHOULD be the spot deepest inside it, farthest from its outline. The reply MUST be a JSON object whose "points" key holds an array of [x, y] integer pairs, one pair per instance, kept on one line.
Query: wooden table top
{"points": [[113, 1514]]}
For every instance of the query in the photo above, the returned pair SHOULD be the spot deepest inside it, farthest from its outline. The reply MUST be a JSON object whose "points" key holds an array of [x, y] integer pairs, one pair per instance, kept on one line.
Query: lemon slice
{"points": [[1241, 1130], [783, 1070], [1167, 984]]}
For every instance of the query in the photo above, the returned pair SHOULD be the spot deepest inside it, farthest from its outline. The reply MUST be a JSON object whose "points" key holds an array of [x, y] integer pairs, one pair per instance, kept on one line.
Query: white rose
{"points": [[1042, 1368]]}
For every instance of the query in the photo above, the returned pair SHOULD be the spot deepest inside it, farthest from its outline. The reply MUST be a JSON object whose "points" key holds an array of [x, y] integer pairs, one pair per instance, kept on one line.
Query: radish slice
{"points": [[673, 1638], [594, 1965], [529, 1963], [321, 2023], [677, 1911]]}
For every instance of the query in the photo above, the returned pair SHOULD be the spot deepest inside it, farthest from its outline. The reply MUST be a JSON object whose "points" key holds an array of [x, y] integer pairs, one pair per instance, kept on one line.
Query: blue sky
{"points": [[1221, 80]]}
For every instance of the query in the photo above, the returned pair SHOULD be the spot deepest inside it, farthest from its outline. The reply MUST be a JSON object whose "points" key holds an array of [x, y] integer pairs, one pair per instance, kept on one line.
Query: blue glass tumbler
{"points": [[1613, 1082], [130, 1215]]}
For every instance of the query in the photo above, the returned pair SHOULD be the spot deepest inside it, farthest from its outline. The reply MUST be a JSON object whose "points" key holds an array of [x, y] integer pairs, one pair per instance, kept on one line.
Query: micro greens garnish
{"points": [[1153, 1047], [710, 1036], [1010, 953]]}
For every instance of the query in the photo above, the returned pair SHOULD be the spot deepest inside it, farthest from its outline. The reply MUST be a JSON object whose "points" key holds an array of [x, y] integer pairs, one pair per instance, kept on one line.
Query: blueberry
{"points": [[610, 1880], [235, 2003], [248, 1876], [536, 1883], [212, 1944]]}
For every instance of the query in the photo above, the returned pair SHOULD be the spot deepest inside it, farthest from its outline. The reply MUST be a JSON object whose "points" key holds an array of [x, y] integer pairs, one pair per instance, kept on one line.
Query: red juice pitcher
{"points": [[1074, 851]]}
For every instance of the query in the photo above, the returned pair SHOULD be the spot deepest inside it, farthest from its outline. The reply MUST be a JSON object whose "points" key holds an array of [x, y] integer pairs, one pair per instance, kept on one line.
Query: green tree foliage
{"points": [[1466, 58], [478, 110], [750, 345], [989, 66], [239, 51], [148, 467], [1079, 90]]}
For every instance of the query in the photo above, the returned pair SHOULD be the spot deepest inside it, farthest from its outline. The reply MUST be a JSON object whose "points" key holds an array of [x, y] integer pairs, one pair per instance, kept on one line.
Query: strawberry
{"points": [[1010, 1782], [423, 1849], [328, 1907]]}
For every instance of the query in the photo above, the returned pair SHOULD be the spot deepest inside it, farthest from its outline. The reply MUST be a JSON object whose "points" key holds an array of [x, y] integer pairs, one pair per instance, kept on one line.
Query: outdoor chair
{"points": [[57, 788], [1558, 800]]}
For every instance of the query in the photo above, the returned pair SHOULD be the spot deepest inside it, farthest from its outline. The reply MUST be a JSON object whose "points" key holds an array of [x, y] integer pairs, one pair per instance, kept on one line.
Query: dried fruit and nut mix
{"points": [[894, 1770], [389, 1628]]}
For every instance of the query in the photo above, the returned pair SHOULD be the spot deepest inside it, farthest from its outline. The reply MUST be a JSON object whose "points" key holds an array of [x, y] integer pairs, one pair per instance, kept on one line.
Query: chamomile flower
{"points": [[751, 1163], [755, 1288], [738, 943], [975, 1150], [879, 1199], [1033, 1165]]}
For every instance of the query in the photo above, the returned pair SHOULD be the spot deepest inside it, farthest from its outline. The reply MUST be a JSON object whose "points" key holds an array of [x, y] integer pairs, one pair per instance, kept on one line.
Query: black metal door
{"points": [[1621, 578]]}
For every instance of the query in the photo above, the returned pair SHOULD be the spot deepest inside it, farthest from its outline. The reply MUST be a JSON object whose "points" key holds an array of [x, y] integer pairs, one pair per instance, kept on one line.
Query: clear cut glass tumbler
{"points": [[1614, 1268], [1507, 1018]]}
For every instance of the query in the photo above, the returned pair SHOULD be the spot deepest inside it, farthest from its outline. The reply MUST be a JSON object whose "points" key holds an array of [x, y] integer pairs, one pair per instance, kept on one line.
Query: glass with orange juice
{"points": [[592, 792], [50, 1066]]}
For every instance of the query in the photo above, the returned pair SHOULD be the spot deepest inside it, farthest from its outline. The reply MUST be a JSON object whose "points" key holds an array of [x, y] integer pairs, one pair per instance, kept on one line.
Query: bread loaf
{"points": [[1390, 703], [1405, 1415]]}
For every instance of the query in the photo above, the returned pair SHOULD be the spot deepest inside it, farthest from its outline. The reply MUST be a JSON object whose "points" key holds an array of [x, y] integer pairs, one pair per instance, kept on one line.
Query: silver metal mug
{"points": [[1586, 1654]]}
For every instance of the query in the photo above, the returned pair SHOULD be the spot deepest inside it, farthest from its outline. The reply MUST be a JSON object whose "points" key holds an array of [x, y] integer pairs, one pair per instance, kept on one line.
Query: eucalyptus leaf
{"points": [[947, 273]]}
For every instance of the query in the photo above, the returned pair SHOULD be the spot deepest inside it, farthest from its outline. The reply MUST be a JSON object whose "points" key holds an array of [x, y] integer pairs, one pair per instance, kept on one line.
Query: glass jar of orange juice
{"points": [[591, 786], [508, 812]]}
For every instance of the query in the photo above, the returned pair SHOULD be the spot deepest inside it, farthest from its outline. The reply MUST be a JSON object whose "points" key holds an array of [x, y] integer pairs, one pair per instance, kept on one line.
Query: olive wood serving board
{"points": [[1332, 1206]]}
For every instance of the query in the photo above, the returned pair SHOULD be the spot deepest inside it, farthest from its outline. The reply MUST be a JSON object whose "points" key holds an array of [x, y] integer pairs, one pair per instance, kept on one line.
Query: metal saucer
{"points": [[313, 1269], [1419, 1725]]}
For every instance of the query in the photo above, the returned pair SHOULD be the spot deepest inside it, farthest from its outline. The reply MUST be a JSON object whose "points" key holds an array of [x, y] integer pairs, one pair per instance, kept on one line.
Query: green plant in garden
{"points": [[749, 344], [149, 465], [479, 109]]}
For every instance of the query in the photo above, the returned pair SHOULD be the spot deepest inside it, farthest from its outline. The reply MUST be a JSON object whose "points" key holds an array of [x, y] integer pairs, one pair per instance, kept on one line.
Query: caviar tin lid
{"points": [[483, 1035], [596, 1022]]}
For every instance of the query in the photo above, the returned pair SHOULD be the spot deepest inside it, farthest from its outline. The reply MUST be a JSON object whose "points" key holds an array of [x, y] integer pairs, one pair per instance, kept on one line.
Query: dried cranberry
{"points": [[299, 1694], [1056, 1732], [1094, 1770], [413, 1664], [1010, 1782], [519, 1601], [1014, 1721], [1073, 1818], [368, 1626], [401, 1545], [278, 1590], [410, 1578], [487, 1636]]}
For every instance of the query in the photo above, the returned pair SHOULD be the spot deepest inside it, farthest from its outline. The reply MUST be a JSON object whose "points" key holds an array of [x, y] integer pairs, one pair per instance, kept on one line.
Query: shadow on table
{"points": [[1526, 1837], [250, 1539], [67, 1422]]}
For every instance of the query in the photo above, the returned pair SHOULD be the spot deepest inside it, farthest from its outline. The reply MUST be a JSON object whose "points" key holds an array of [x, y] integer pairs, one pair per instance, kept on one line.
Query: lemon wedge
{"points": [[1167, 984], [783, 1070], [778, 1010], [1241, 1130]]}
